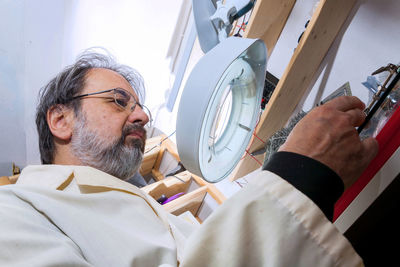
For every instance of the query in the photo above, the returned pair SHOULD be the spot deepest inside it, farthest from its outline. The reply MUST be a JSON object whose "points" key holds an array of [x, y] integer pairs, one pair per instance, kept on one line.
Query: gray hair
{"points": [[69, 83], [114, 158]]}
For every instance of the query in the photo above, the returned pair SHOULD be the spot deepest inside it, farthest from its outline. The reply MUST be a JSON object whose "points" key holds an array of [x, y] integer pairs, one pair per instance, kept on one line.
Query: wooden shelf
{"points": [[195, 189]]}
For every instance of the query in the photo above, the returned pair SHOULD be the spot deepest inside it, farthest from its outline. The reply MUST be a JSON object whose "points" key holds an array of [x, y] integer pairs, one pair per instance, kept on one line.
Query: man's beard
{"points": [[118, 159]]}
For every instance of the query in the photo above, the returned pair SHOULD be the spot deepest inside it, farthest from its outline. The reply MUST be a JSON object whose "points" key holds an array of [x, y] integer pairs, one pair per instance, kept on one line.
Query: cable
{"points": [[178, 178], [160, 142]]}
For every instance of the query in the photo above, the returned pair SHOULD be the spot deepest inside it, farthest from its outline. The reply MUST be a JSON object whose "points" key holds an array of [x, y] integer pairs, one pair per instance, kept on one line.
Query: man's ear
{"points": [[60, 120]]}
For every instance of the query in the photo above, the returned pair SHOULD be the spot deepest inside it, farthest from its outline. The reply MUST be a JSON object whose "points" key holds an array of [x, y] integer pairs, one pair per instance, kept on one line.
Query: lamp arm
{"points": [[227, 13], [243, 6]]}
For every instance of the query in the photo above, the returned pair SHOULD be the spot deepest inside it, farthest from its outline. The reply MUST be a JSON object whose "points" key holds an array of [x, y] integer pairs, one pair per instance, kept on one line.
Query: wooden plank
{"points": [[4, 180], [169, 186], [13, 179], [166, 145], [150, 155], [148, 161], [211, 189], [189, 202], [315, 43], [159, 158], [267, 21], [171, 147], [158, 176]]}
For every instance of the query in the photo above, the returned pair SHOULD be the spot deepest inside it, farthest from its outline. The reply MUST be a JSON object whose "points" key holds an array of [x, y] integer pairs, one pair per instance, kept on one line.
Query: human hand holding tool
{"points": [[328, 134]]}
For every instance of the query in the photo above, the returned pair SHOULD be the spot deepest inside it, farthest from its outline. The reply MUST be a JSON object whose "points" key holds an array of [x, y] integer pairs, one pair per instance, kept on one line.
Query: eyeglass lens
{"points": [[122, 98]]}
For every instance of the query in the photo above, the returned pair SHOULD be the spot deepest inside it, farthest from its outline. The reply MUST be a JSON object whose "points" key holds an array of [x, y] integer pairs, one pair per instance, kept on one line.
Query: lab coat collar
{"points": [[88, 179]]}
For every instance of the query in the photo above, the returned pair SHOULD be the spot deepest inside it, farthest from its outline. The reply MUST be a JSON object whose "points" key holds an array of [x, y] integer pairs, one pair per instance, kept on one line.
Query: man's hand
{"points": [[328, 134]]}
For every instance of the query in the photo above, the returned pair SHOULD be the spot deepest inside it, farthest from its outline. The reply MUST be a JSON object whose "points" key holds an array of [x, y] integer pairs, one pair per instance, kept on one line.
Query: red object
{"points": [[388, 140]]}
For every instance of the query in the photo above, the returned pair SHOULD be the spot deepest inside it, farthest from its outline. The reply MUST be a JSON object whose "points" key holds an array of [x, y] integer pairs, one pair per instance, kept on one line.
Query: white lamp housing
{"points": [[214, 20], [219, 107]]}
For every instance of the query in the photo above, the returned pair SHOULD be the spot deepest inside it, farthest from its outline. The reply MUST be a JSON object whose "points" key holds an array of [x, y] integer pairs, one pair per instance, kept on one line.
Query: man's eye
{"points": [[121, 102]]}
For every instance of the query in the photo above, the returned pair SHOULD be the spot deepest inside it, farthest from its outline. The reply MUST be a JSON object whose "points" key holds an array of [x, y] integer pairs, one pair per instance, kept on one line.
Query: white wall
{"points": [[11, 100], [369, 41], [42, 52], [38, 38]]}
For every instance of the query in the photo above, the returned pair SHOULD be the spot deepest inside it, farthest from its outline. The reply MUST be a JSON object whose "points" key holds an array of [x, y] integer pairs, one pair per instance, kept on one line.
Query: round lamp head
{"points": [[219, 107]]}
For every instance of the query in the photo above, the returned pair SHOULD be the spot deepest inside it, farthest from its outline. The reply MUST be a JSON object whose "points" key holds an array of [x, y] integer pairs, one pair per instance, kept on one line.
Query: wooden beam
{"points": [[13, 179], [211, 189], [4, 180], [321, 32], [191, 202], [169, 186], [151, 152], [157, 175], [267, 21], [166, 145]]}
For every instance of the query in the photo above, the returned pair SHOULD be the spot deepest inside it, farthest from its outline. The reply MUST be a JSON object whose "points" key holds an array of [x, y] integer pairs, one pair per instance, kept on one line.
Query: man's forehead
{"points": [[98, 79]]}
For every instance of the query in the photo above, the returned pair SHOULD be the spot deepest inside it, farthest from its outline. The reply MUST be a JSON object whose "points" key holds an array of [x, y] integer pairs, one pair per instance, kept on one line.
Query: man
{"points": [[72, 214]]}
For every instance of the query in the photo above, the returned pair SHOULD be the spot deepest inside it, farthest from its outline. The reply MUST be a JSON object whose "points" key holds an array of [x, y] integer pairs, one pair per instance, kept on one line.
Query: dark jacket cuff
{"points": [[314, 179]]}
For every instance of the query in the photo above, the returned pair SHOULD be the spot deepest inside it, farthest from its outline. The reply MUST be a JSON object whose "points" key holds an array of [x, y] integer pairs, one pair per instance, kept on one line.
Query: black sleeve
{"points": [[314, 179]]}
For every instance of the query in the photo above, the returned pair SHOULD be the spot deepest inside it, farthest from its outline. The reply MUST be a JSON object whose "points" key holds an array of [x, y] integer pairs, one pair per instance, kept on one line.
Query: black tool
{"points": [[380, 101]]}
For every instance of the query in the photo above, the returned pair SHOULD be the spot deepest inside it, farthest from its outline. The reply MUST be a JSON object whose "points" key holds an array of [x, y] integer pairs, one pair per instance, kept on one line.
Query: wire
{"points": [[254, 133], [242, 26], [178, 178], [241, 184], [159, 144], [259, 163]]}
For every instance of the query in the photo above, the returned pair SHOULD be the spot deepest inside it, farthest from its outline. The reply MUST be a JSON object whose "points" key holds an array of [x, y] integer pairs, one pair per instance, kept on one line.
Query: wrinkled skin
{"points": [[328, 134]]}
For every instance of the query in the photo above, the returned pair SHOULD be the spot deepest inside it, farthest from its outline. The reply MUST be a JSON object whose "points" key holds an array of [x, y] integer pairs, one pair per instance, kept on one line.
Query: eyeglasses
{"points": [[122, 99]]}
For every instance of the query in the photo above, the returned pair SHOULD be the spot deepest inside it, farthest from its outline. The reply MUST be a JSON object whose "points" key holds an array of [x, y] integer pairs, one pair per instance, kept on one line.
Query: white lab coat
{"points": [[80, 216]]}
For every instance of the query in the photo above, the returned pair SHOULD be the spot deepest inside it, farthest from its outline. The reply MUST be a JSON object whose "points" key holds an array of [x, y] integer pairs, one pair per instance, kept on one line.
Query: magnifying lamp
{"points": [[220, 105]]}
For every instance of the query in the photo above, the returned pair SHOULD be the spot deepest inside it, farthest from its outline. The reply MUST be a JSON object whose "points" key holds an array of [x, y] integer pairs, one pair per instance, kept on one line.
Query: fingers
{"points": [[356, 117], [352, 106], [345, 103]]}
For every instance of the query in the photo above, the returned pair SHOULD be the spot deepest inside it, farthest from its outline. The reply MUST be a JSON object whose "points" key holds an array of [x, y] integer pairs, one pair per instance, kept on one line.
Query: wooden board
{"points": [[157, 175], [321, 32], [211, 189], [4, 180], [13, 179], [166, 145], [151, 152], [268, 20], [189, 202], [169, 186]]}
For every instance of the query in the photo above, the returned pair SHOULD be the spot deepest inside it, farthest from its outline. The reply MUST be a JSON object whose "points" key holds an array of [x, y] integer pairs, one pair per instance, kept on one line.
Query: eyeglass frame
{"points": [[135, 102]]}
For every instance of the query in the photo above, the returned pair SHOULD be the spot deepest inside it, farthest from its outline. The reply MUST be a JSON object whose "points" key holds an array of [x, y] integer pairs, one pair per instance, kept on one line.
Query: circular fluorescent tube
{"points": [[219, 107]]}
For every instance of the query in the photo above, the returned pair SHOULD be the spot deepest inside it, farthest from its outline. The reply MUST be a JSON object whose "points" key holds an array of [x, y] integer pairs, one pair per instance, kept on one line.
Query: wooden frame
{"points": [[321, 32], [151, 151], [172, 185], [169, 186], [5, 180], [154, 153], [179, 183], [268, 20]]}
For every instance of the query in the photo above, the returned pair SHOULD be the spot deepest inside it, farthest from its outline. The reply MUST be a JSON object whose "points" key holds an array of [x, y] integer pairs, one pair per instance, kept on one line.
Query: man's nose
{"points": [[138, 115]]}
